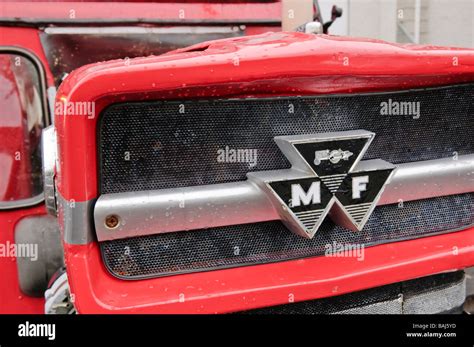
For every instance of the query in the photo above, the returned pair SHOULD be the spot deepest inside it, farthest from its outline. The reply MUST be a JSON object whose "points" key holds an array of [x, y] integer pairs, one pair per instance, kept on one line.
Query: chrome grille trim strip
{"points": [[190, 208]]}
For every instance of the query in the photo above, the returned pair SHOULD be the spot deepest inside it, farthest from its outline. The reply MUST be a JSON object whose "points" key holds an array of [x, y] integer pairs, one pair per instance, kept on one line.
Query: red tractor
{"points": [[197, 159]]}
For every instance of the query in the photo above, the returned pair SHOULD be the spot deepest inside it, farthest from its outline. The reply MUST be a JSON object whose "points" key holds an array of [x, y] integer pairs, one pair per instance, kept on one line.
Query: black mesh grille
{"points": [[158, 145], [336, 304], [152, 145], [201, 250], [371, 296]]}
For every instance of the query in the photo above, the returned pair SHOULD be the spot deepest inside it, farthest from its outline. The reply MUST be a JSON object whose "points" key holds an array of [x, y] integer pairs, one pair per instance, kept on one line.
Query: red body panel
{"points": [[159, 11], [26, 38], [11, 298], [272, 64]]}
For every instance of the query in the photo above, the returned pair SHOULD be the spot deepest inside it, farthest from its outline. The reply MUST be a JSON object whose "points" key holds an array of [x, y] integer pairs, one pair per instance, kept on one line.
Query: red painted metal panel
{"points": [[171, 11], [12, 300], [28, 39]]}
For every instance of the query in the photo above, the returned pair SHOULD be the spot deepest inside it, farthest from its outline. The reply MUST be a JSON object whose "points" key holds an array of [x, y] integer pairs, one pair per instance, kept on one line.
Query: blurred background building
{"points": [[438, 22]]}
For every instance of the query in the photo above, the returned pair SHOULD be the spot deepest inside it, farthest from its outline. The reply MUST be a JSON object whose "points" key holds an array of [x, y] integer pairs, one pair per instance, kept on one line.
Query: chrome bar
{"points": [[190, 208], [431, 178], [168, 210]]}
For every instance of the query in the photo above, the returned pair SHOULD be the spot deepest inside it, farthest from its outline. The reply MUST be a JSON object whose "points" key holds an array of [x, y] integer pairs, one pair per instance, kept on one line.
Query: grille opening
{"points": [[173, 149]]}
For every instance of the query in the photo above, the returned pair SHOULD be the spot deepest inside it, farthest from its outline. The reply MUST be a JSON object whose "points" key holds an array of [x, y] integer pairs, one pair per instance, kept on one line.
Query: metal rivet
{"points": [[112, 221]]}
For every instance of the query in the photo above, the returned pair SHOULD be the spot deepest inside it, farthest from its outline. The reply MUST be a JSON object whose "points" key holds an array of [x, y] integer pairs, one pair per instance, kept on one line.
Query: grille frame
{"points": [[101, 119]]}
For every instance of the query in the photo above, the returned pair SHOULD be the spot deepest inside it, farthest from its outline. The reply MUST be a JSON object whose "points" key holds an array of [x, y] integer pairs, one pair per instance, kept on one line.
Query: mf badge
{"points": [[327, 177]]}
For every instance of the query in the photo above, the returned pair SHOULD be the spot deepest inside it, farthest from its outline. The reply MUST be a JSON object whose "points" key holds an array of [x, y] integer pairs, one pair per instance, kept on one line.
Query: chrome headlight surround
{"points": [[49, 155]]}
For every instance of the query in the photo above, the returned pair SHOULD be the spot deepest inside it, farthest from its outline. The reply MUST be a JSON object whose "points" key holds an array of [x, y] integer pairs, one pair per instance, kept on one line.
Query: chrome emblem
{"points": [[327, 177], [334, 156]]}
